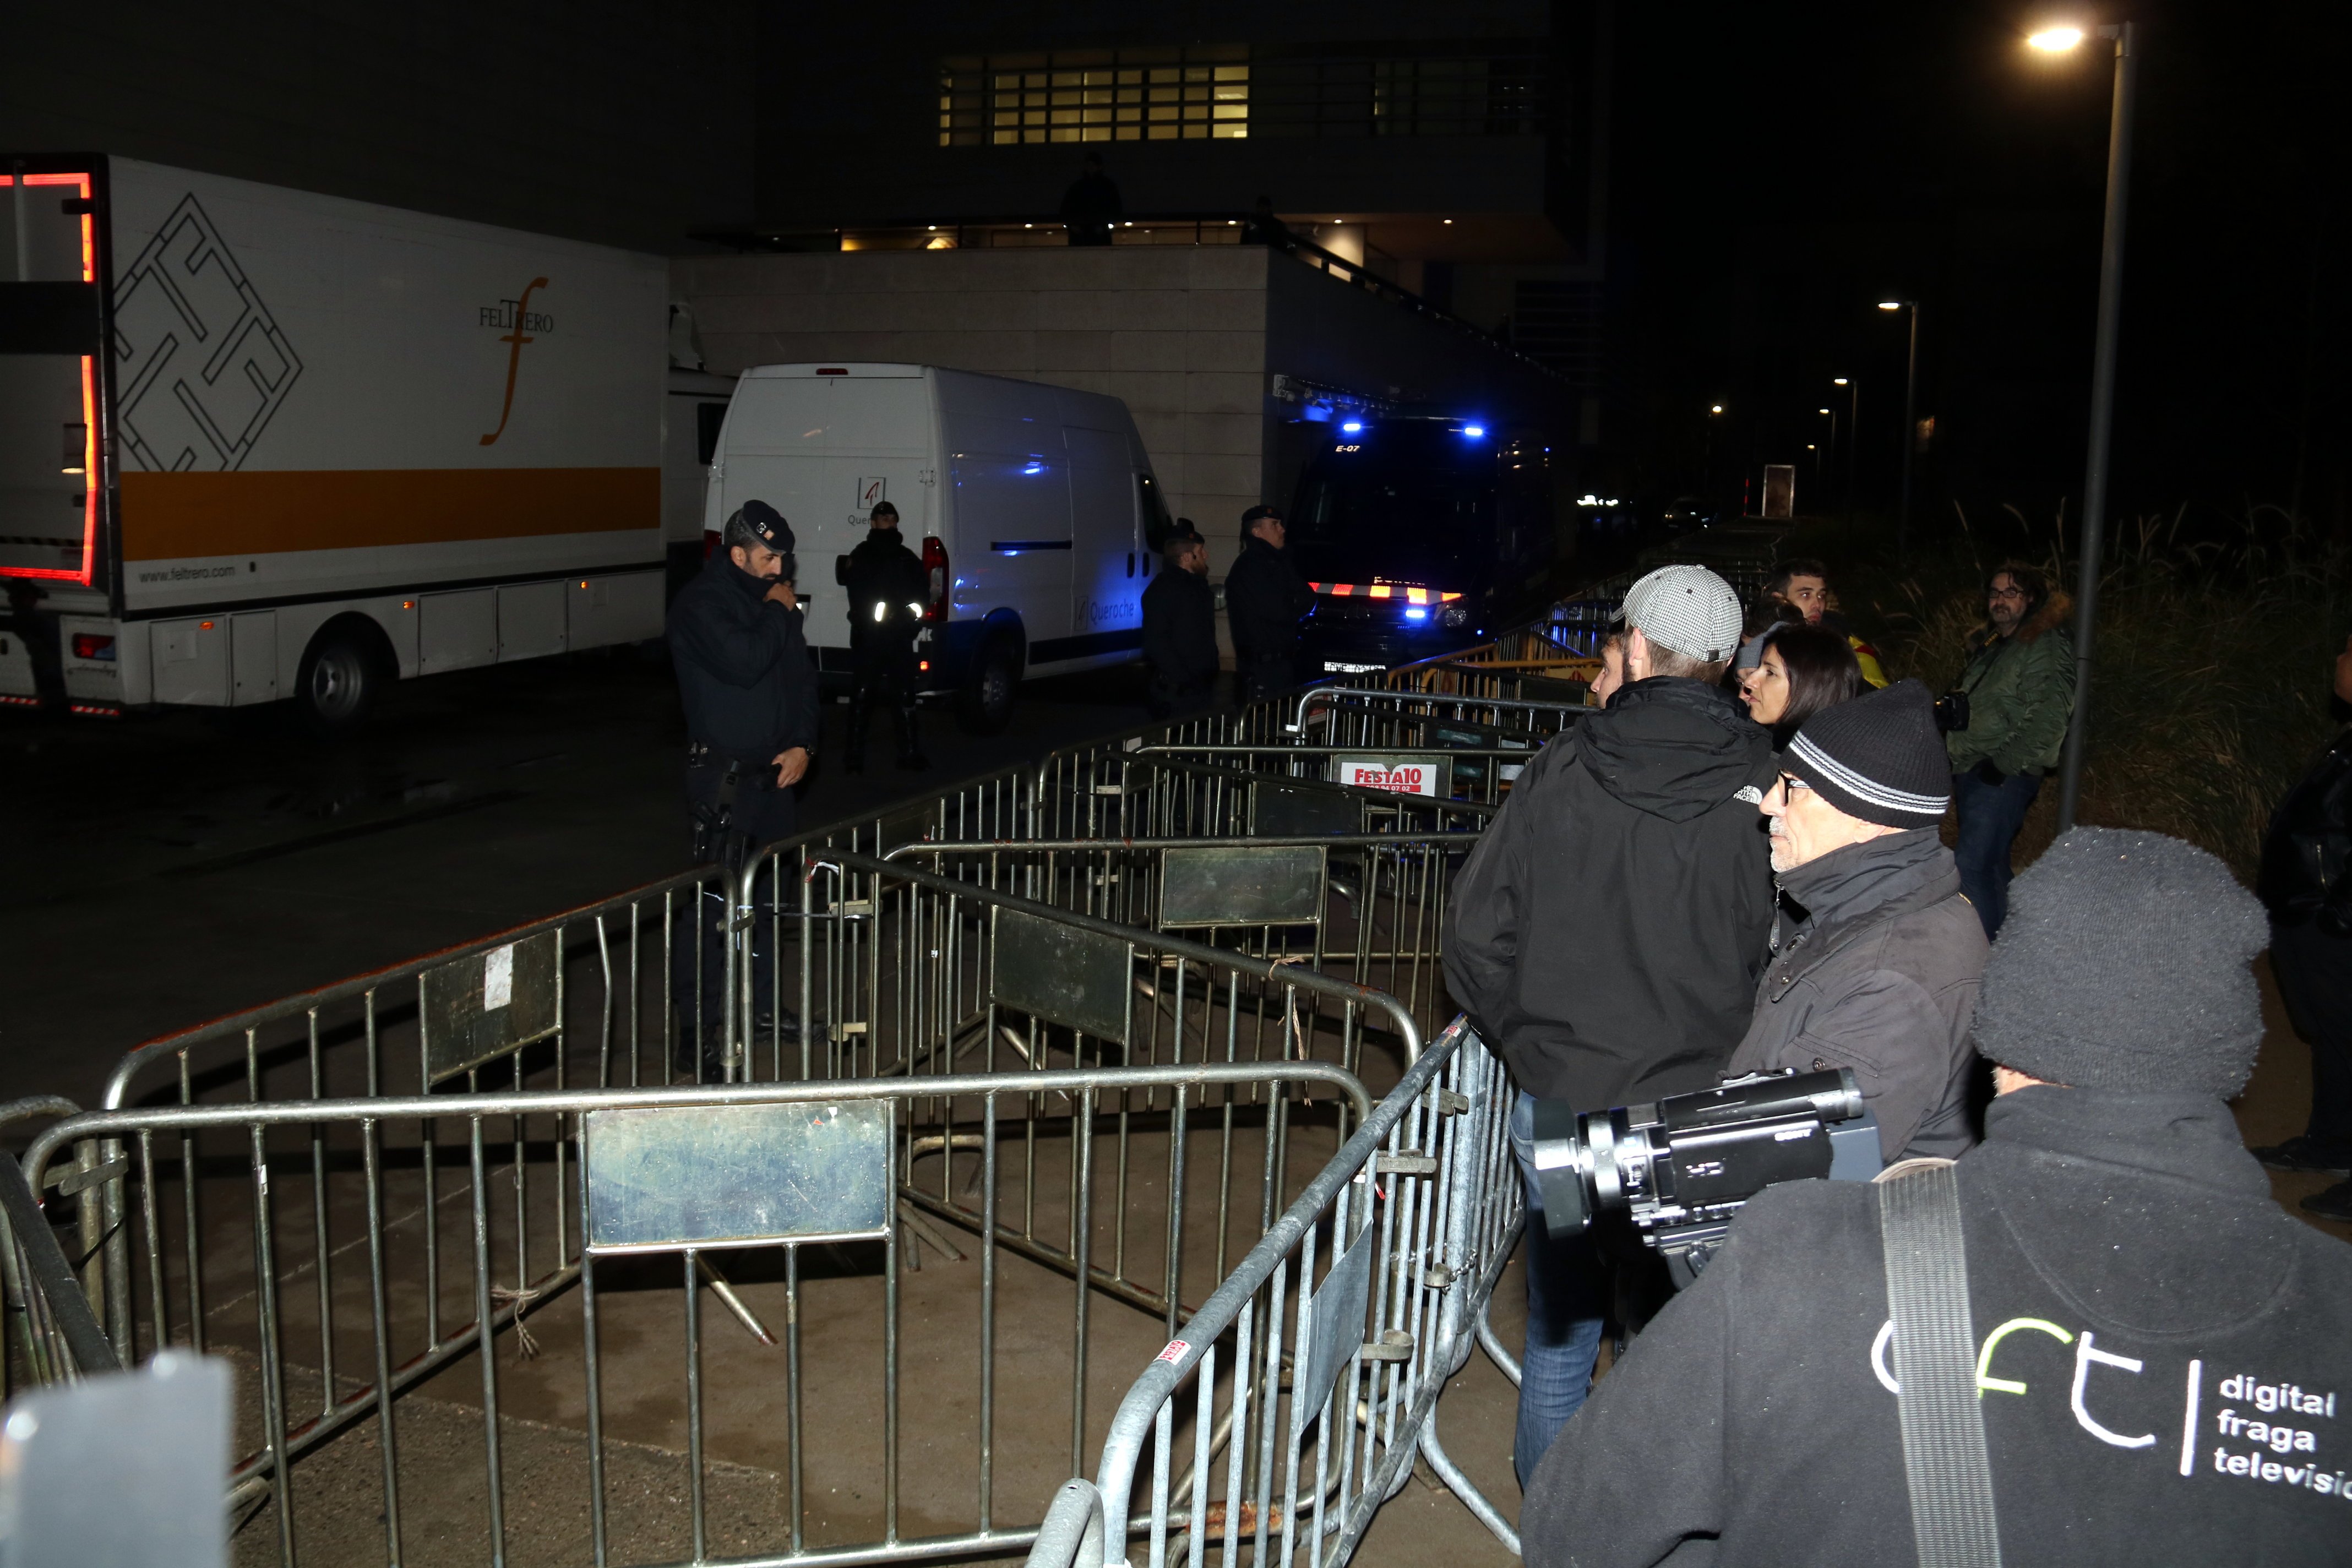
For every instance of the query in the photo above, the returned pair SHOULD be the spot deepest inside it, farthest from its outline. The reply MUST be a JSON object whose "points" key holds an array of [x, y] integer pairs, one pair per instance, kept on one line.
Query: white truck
{"points": [[1035, 508], [259, 444]]}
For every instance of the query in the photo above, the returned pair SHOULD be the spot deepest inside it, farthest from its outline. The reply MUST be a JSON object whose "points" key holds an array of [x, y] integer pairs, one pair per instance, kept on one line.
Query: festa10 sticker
{"points": [[1398, 775], [1175, 1352]]}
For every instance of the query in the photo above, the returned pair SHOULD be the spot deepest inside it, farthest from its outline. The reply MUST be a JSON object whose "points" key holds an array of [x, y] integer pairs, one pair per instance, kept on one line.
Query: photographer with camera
{"points": [[1607, 928], [1880, 973], [2097, 1340], [2006, 722]]}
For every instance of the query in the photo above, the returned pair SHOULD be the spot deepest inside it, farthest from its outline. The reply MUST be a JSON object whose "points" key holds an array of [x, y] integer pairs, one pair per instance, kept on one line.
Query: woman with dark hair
{"points": [[1804, 669]]}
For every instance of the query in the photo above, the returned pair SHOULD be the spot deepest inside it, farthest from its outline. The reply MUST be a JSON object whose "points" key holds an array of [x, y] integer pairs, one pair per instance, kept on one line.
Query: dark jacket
{"points": [[2306, 872], [1880, 977], [1265, 601], [2167, 1367], [742, 663], [1179, 630], [1089, 207], [2020, 695], [884, 571], [1608, 929]]}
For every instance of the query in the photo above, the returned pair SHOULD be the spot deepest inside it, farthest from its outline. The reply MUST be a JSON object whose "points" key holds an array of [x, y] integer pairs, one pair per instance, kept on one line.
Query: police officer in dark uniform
{"points": [[888, 586], [751, 698], [1180, 629], [1265, 601]]}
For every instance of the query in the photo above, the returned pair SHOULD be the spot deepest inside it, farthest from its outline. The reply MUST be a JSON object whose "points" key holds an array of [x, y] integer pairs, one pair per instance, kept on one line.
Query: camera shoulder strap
{"points": [[1944, 1460]]}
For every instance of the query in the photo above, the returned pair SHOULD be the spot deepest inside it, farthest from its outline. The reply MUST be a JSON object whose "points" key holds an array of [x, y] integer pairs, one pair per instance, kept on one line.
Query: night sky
{"points": [[1781, 168]]}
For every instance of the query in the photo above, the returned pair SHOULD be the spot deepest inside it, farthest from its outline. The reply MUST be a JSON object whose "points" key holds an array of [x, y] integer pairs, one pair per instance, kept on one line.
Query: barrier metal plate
{"points": [[1338, 1325], [663, 1178], [477, 1009], [1063, 973], [1289, 808], [1276, 886]]}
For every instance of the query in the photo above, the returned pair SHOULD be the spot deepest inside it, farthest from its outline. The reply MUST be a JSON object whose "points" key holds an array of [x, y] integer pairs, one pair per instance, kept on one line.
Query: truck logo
{"points": [[204, 365], [521, 321]]}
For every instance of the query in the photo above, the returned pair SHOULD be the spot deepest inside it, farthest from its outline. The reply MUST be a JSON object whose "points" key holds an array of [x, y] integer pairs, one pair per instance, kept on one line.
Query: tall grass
{"points": [[2214, 650]]}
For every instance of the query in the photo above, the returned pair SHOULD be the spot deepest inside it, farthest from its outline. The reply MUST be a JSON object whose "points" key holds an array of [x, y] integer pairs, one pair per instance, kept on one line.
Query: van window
{"points": [[1157, 524], [709, 419]]}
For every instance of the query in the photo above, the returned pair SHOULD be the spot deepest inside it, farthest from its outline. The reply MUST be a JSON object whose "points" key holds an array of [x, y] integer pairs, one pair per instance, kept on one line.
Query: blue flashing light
{"points": [[1353, 427], [1475, 432], [1416, 614], [1034, 469]]}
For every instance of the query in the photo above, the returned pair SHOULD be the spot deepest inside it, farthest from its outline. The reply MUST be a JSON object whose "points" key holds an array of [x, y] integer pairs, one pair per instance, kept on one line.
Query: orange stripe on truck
{"points": [[169, 517]]}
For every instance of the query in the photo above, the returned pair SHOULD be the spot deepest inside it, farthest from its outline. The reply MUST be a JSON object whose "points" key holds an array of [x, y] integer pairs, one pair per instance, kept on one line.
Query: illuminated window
{"points": [[1104, 95]]}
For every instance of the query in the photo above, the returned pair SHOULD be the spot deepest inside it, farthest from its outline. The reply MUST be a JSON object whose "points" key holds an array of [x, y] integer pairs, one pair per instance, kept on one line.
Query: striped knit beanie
{"points": [[1877, 757]]}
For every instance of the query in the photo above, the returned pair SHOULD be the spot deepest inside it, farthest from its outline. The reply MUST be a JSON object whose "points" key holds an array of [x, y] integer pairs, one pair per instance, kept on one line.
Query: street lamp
{"points": [[1910, 419], [2058, 40]]}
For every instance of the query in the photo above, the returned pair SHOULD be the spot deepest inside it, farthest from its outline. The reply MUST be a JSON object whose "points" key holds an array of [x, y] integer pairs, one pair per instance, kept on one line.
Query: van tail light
{"points": [[89, 645], [935, 565], [710, 542]]}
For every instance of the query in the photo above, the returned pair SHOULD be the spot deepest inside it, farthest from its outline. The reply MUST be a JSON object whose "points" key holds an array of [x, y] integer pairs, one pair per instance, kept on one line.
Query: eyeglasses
{"points": [[2008, 593], [1790, 783]]}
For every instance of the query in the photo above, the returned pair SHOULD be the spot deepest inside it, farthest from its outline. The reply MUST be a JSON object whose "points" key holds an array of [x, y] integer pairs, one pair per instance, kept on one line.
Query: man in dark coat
{"points": [[1091, 206], [887, 588], [1607, 930], [1180, 629], [751, 699], [1265, 601], [1880, 973], [2162, 1356]]}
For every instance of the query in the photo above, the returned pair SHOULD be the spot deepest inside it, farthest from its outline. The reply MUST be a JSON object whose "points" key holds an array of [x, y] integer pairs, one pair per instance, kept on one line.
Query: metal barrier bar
{"points": [[1422, 1208]]}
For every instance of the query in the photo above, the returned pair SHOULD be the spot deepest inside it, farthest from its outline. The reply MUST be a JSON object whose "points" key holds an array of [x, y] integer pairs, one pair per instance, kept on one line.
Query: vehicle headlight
{"points": [[1454, 616]]}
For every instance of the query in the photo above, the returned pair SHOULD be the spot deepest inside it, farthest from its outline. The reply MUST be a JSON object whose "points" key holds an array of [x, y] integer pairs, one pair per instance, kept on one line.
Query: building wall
{"points": [[1176, 333], [599, 120]]}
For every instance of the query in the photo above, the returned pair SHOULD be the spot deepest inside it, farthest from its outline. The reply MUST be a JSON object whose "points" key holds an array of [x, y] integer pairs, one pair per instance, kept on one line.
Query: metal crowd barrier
{"points": [[1291, 1406], [692, 1174]]}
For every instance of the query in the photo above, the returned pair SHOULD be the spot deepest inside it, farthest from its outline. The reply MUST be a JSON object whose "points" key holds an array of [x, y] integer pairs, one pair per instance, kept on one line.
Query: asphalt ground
{"points": [[164, 870]]}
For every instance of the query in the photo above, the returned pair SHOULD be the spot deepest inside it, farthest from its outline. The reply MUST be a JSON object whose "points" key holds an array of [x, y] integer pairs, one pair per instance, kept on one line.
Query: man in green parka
{"points": [[2018, 694]]}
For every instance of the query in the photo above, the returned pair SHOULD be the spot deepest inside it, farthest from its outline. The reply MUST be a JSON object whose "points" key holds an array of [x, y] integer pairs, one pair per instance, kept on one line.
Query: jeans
{"points": [[1990, 816], [1567, 1299]]}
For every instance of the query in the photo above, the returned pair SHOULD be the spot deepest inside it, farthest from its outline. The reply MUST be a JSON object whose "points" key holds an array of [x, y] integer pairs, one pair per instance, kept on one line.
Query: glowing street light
{"points": [[1715, 409], [2057, 40], [1890, 304]]}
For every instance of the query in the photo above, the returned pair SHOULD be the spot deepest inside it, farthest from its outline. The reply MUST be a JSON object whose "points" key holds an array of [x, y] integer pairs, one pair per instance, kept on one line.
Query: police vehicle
{"points": [[1423, 533]]}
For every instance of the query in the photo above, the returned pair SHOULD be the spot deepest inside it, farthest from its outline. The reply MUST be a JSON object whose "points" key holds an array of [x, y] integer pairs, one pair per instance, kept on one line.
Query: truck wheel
{"points": [[337, 684], [985, 706]]}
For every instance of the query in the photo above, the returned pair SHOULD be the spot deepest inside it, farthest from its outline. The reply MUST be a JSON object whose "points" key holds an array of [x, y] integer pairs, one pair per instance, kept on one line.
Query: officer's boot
{"points": [[902, 717]]}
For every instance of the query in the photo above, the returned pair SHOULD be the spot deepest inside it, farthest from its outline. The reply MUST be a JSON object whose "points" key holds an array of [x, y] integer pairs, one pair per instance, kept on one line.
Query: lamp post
{"points": [[1706, 480], [1910, 422], [1829, 449], [2058, 41], [1853, 429]]}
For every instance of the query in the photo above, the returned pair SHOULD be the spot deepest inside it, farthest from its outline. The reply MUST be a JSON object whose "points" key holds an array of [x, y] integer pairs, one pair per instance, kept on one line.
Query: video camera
{"points": [[1682, 1166]]}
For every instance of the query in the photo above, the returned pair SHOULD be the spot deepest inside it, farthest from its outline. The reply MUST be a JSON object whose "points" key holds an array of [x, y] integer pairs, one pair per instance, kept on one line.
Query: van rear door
{"points": [[52, 371], [1105, 577], [1011, 473]]}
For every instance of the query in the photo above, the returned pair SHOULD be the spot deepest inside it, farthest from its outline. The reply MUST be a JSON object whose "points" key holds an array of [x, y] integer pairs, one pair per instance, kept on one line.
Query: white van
{"points": [[1035, 508]]}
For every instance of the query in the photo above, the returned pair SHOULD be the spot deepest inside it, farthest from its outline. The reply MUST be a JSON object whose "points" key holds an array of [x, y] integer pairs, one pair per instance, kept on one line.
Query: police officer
{"points": [[1265, 601], [887, 586], [1180, 629], [751, 699]]}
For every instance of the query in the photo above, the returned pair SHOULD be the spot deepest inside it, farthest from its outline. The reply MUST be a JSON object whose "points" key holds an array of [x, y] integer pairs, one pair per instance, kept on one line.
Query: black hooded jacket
{"points": [[883, 571], [2165, 1362], [742, 663], [1608, 930]]}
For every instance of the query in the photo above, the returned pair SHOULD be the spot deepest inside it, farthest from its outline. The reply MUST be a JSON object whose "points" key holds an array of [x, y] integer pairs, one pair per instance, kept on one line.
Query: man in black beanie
{"points": [[2162, 1356], [1877, 970]]}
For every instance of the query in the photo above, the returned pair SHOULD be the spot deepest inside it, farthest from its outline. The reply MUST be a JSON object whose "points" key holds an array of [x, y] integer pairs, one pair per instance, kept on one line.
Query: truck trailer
{"points": [[260, 444]]}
